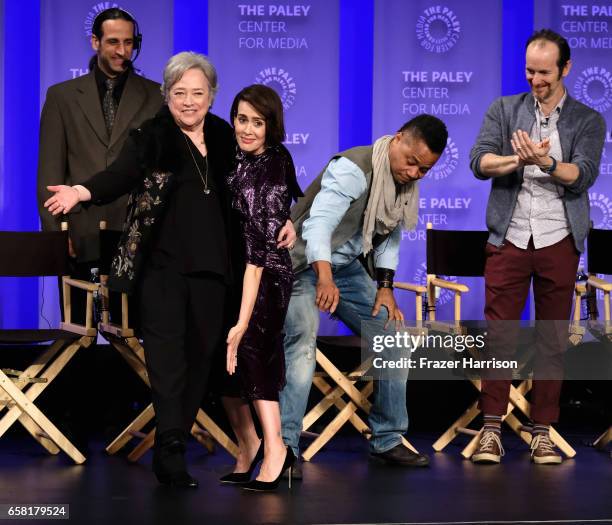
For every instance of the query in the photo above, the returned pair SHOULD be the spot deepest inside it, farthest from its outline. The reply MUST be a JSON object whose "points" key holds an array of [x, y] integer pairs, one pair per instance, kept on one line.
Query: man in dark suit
{"points": [[84, 124]]}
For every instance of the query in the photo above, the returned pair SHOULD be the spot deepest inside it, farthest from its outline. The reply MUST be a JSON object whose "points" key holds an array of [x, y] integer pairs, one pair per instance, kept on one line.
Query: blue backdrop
{"points": [[351, 71]]}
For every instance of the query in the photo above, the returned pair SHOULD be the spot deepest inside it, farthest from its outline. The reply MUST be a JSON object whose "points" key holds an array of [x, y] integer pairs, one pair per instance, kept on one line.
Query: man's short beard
{"points": [[105, 65]]}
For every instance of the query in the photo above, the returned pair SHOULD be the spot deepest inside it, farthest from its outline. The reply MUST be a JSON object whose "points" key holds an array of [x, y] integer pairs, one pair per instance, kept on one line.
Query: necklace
{"points": [[204, 177]]}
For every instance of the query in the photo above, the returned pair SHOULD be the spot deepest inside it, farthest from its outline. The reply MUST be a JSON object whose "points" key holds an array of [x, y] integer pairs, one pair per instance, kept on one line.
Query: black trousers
{"points": [[182, 329]]}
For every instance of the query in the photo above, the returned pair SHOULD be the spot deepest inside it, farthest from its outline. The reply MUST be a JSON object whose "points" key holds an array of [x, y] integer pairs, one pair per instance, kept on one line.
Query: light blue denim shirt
{"points": [[342, 183]]}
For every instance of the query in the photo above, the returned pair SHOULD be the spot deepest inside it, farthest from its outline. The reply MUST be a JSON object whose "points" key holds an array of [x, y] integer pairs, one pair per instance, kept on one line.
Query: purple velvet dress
{"points": [[262, 199]]}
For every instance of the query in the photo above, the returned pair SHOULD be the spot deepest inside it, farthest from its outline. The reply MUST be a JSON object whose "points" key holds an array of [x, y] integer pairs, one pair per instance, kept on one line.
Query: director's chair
{"points": [[462, 254], [334, 384], [38, 254], [123, 336], [598, 263]]}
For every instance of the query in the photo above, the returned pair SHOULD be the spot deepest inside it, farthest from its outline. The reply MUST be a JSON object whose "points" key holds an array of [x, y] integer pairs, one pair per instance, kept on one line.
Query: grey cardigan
{"points": [[581, 132]]}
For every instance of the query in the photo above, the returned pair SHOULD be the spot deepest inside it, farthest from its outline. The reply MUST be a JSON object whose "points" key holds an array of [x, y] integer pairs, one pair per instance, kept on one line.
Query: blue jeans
{"points": [[388, 418]]}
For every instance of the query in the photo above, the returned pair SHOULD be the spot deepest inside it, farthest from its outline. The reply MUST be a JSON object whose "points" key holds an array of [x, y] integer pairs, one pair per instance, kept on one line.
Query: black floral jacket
{"points": [[145, 169], [145, 207]]}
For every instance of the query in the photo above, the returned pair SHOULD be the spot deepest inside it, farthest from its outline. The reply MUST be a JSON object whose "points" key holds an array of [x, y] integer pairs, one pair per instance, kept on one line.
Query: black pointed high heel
{"points": [[240, 478], [265, 486]]}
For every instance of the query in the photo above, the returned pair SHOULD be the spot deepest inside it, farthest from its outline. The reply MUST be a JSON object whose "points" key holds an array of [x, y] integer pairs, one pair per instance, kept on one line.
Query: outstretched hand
{"points": [[64, 199]]}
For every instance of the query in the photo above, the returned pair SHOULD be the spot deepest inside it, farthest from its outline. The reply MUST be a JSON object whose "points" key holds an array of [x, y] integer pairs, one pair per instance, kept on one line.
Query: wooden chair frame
{"points": [[517, 398], [20, 389], [334, 384], [123, 338]]}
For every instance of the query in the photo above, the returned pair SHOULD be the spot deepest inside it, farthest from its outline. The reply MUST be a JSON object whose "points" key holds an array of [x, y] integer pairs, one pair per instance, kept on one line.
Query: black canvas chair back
{"points": [[456, 252], [109, 240], [599, 243], [34, 254]]}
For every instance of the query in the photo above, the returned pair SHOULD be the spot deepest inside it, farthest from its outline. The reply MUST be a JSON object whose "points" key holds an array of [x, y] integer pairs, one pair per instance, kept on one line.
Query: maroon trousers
{"points": [[508, 274]]}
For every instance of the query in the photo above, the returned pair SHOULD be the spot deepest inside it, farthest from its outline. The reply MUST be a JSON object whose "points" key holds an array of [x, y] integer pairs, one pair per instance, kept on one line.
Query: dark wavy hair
{"points": [[114, 13], [266, 102]]}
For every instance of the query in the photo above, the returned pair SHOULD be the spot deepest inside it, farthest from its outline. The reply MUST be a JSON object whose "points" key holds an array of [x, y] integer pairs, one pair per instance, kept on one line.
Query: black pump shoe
{"points": [[266, 486], [240, 478], [169, 460]]}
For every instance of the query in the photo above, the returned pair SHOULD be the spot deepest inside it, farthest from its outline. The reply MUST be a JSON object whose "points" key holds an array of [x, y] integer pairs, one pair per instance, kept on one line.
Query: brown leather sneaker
{"points": [[489, 449], [543, 451]]}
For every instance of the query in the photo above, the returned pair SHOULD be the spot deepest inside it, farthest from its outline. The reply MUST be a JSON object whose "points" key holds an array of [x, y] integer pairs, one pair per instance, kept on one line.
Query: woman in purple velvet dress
{"points": [[263, 185]]}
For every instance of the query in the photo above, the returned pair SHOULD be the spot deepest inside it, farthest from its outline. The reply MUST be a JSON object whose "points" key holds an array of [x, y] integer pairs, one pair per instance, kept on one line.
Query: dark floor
{"points": [[341, 485], [97, 394]]}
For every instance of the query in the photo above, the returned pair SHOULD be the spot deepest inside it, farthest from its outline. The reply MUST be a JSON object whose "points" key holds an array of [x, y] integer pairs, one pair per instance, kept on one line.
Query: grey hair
{"points": [[180, 63]]}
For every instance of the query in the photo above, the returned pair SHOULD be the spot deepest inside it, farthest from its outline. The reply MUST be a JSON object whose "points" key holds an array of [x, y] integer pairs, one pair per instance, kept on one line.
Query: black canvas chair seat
{"points": [[31, 336]]}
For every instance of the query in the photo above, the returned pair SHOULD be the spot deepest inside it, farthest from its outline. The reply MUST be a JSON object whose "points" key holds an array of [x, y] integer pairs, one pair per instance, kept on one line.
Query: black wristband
{"points": [[550, 169], [384, 277]]}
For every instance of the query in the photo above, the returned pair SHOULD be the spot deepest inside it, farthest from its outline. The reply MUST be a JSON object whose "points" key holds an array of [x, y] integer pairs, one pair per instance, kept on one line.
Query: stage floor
{"points": [[341, 486]]}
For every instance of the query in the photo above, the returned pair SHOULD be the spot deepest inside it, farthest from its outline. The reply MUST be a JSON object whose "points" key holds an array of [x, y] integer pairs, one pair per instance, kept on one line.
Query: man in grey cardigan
{"points": [[541, 151]]}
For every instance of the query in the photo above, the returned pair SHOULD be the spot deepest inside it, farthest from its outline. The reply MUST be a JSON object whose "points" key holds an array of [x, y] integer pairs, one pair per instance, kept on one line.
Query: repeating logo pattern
{"points": [[280, 80], [438, 29], [96, 9], [601, 211], [448, 162], [420, 277], [593, 87]]}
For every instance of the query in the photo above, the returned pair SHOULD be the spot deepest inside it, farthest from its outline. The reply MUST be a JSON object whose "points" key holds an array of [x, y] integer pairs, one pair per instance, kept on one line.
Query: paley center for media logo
{"points": [[95, 10], [420, 277], [593, 87], [601, 210], [438, 29], [447, 163], [281, 81]]}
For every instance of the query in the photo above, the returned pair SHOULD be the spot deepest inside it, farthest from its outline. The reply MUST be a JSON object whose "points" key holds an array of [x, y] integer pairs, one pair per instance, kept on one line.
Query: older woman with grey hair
{"points": [[178, 246]]}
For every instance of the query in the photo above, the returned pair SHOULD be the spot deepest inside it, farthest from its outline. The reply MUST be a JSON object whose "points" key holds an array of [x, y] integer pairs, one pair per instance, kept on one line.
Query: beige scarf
{"points": [[386, 207]]}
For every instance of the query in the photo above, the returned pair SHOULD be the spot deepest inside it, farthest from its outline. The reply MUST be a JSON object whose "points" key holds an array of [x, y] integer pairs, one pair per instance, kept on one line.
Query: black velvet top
{"points": [[192, 236]]}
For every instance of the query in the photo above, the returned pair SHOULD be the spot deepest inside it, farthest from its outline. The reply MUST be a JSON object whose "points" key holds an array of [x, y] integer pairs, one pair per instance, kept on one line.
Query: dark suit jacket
{"points": [[74, 145]]}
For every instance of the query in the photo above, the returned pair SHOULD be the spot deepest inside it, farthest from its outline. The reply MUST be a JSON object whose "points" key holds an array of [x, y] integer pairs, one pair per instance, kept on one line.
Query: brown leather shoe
{"points": [[489, 449], [543, 451]]}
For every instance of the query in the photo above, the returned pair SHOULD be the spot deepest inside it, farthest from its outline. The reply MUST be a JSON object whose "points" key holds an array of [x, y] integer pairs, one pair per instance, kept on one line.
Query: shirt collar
{"points": [[101, 79], [556, 109]]}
